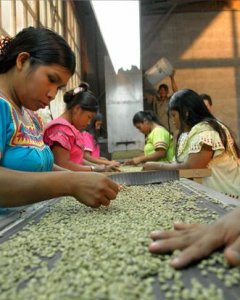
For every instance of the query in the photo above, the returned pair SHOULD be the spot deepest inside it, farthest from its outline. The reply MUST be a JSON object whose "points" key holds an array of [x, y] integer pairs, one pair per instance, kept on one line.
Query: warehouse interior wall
{"points": [[202, 43], [55, 14], [204, 49]]}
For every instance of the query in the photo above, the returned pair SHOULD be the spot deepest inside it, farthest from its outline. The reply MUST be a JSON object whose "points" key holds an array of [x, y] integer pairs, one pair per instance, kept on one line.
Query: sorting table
{"points": [[65, 250]]}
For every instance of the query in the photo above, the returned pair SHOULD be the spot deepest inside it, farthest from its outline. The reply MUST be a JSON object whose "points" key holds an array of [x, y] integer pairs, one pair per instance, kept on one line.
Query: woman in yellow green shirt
{"points": [[159, 141]]}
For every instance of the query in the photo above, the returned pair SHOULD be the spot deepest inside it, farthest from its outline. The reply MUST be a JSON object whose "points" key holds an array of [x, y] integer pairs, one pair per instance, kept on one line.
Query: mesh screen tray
{"points": [[145, 177]]}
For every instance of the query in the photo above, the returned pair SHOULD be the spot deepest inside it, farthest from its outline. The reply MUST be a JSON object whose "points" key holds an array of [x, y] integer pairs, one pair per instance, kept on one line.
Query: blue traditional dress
{"points": [[21, 145]]}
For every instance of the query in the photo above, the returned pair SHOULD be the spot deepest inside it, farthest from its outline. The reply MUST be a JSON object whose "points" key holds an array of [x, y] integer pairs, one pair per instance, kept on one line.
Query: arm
{"points": [[157, 144], [62, 159], [199, 241], [145, 158], [58, 168], [104, 161], [22, 188], [173, 82], [198, 160]]}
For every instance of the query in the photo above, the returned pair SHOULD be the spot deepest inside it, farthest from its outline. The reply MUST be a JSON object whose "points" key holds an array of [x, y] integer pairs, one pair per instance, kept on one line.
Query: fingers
{"points": [[121, 187], [116, 163], [183, 226], [113, 186], [169, 244], [195, 252], [105, 201], [179, 229], [96, 204], [232, 253], [203, 246], [187, 256], [161, 247], [97, 190], [114, 168], [191, 238], [166, 234], [93, 203], [109, 194], [156, 235]]}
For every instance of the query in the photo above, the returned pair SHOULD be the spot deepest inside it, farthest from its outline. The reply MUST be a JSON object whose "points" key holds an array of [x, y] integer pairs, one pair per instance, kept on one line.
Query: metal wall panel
{"points": [[124, 97]]}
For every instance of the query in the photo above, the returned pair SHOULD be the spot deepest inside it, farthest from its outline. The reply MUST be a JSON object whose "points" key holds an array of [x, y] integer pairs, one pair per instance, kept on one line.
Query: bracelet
{"points": [[93, 168]]}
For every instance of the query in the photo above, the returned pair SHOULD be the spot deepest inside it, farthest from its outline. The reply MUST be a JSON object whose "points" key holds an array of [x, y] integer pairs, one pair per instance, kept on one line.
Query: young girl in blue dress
{"points": [[34, 65]]}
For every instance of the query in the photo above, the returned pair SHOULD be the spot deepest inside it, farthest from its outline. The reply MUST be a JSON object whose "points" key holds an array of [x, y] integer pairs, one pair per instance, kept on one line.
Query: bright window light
{"points": [[118, 21]]}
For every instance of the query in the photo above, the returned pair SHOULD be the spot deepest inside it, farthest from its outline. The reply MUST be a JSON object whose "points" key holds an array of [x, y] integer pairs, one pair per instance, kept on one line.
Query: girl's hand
{"points": [[134, 161], [114, 163], [93, 189], [198, 241], [99, 168], [128, 162]]}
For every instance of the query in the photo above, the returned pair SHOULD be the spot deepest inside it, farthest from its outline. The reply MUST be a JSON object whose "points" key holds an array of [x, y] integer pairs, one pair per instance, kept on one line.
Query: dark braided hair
{"points": [[81, 96]]}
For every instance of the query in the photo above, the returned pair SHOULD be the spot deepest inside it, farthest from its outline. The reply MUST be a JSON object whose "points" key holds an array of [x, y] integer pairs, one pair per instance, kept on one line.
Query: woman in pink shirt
{"points": [[63, 134], [91, 145]]}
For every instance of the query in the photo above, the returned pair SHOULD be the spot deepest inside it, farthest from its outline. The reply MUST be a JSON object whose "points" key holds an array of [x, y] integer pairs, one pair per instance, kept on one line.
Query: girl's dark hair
{"points": [[163, 86], [45, 47], [91, 127], [148, 115], [206, 97], [81, 96], [192, 111]]}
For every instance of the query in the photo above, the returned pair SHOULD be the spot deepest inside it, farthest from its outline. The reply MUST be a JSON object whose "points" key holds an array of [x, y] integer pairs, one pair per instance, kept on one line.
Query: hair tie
{"points": [[78, 90], [4, 43], [83, 87]]}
